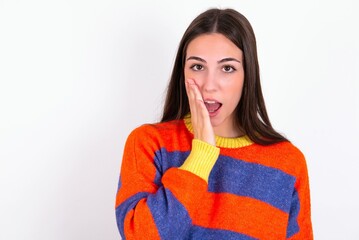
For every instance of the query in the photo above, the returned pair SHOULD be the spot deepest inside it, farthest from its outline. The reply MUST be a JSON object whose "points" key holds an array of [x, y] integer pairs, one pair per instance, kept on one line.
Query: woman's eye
{"points": [[228, 69], [197, 67]]}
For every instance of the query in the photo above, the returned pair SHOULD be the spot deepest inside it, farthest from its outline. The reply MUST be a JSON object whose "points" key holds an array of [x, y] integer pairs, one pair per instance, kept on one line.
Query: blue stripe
{"points": [[215, 234], [171, 218], [125, 207], [267, 184], [164, 160], [293, 226]]}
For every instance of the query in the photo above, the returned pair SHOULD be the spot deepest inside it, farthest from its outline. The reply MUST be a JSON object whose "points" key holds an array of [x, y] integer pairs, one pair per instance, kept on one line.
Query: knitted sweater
{"points": [[237, 190]]}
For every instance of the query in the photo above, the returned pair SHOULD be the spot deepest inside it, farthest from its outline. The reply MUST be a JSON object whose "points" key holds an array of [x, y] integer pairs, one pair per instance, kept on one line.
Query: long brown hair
{"points": [[250, 114]]}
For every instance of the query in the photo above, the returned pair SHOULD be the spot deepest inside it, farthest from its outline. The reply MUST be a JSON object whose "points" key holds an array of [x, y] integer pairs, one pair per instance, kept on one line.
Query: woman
{"points": [[214, 168]]}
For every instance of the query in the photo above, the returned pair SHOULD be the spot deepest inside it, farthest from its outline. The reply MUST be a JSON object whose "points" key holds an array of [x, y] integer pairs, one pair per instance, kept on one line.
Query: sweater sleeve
{"points": [[299, 222], [201, 159], [150, 209]]}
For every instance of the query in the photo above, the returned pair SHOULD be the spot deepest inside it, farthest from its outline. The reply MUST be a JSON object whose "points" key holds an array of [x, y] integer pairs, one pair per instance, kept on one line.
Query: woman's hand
{"points": [[202, 127]]}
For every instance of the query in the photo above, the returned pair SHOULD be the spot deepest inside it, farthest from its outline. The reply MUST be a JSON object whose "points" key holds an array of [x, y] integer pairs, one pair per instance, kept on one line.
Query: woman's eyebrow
{"points": [[196, 58], [220, 61], [228, 60]]}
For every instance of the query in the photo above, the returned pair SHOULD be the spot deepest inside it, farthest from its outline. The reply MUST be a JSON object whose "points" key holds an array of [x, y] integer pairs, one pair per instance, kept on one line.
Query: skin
{"points": [[213, 71]]}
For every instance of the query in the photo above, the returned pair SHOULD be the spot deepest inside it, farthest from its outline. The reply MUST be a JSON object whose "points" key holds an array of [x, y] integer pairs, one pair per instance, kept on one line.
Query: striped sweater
{"points": [[237, 190]]}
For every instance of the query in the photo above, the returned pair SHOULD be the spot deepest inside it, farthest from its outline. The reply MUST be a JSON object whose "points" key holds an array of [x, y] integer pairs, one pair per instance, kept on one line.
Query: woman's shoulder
{"points": [[170, 135], [288, 150], [159, 127], [283, 155], [290, 156], [159, 130]]}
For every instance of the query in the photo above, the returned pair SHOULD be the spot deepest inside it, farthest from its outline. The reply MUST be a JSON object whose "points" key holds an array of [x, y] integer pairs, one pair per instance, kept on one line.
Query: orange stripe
{"points": [[133, 186], [244, 215], [139, 223], [186, 187], [239, 214], [182, 141]]}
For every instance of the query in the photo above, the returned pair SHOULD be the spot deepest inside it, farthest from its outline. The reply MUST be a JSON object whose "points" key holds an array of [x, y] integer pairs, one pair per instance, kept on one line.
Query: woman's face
{"points": [[216, 65]]}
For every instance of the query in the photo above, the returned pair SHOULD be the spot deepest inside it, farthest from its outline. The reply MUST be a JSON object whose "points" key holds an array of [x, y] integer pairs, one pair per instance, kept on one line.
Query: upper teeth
{"points": [[210, 102]]}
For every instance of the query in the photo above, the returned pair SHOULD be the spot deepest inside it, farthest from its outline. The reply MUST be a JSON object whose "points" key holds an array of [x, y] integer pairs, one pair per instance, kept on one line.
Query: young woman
{"points": [[214, 168]]}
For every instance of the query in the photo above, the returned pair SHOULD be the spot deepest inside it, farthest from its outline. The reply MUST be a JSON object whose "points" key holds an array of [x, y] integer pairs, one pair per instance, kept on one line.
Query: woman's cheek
{"points": [[189, 74]]}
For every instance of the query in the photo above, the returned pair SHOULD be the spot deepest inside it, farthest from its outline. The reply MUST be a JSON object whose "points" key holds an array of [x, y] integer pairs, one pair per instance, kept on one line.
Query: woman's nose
{"points": [[210, 82]]}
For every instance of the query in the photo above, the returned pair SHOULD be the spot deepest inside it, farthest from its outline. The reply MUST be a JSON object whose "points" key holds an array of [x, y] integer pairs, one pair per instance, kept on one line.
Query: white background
{"points": [[77, 76]]}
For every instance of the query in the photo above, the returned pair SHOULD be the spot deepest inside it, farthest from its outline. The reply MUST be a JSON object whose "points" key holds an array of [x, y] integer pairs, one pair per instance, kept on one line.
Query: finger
{"points": [[194, 87], [191, 97], [200, 106], [190, 84], [194, 91]]}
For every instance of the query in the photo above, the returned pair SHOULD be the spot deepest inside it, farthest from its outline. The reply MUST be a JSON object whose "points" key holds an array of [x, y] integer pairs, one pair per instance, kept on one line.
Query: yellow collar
{"points": [[238, 142]]}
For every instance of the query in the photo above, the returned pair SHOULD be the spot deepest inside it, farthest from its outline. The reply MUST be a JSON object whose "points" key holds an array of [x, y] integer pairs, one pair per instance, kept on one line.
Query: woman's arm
{"points": [[146, 210]]}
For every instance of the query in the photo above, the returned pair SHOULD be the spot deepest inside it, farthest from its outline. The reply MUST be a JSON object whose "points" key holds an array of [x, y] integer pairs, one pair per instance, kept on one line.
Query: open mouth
{"points": [[212, 106]]}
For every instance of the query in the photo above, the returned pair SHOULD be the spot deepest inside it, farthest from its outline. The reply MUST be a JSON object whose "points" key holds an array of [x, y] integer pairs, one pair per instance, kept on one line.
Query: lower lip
{"points": [[215, 113]]}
